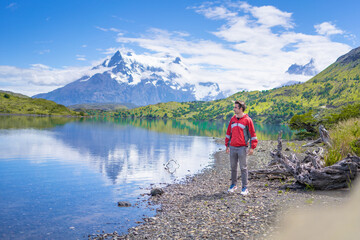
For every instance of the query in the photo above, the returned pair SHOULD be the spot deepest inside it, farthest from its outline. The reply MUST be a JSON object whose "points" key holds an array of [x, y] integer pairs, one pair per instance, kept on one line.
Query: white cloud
{"points": [[41, 52], [102, 29], [217, 12], [122, 19], [251, 54], [12, 5], [114, 29], [107, 51], [270, 16], [107, 29], [327, 28], [252, 49], [80, 57], [39, 78], [182, 34]]}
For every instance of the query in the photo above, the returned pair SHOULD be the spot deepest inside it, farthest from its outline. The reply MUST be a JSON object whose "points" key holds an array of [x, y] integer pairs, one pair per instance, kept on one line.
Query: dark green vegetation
{"points": [[335, 87], [344, 131], [307, 124], [13, 103]]}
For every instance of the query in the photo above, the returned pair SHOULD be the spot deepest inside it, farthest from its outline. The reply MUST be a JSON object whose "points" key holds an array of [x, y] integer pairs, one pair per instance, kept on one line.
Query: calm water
{"points": [[62, 178]]}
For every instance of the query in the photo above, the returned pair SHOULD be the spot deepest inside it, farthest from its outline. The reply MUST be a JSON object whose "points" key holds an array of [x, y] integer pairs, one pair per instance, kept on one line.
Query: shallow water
{"points": [[62, 178]]}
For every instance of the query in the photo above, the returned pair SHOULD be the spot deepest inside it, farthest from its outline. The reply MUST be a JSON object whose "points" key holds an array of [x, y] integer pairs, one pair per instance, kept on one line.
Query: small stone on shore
{"points": [[124, 204], [156, 191]]}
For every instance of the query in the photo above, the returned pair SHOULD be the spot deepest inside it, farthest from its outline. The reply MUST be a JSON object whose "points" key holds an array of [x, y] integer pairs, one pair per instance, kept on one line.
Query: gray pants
{"points": [[238, 154]]}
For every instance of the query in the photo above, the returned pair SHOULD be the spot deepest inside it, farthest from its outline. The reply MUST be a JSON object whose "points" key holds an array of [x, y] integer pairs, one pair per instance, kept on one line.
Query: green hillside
{"points": [[336, 86], [14, 103]]}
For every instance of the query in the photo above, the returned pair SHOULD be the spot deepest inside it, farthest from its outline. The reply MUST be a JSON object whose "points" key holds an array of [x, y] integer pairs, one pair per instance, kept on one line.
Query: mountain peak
{"points": [[307, 69], [116, 59], [177, 60]]}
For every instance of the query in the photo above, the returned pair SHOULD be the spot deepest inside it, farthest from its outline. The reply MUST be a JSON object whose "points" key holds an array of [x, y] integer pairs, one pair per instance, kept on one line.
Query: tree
{"points": [[304, 122]]}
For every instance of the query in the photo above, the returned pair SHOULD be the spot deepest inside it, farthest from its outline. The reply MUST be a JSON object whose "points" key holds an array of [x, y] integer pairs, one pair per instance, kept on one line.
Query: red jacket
{"points": [[240, 131]]}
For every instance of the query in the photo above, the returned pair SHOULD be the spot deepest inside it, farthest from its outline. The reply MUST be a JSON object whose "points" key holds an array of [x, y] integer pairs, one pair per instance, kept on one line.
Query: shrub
{"points": [[345, 139], [347, 112], [355, 146]]}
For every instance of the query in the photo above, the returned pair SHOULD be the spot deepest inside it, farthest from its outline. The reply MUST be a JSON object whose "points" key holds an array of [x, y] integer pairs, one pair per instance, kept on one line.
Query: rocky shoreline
{"points": [[201, 208]]}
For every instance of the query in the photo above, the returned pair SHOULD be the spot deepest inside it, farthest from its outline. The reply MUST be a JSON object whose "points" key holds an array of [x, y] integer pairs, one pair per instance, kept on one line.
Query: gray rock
{"points": [[124, 204], [156, 191]]}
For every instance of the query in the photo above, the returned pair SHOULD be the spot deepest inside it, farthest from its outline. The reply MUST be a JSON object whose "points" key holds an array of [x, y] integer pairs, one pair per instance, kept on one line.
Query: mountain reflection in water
{"points": [[71, 175]]}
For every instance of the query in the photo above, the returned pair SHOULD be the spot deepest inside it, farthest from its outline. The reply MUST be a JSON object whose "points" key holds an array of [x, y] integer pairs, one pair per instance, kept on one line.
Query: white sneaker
{"points": [[232, 188], [244, 191]]}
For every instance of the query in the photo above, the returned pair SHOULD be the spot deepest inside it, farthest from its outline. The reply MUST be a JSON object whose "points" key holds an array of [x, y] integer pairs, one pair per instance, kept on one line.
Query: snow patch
{"points": [[119, 77], [85, 79], [203, 91]]}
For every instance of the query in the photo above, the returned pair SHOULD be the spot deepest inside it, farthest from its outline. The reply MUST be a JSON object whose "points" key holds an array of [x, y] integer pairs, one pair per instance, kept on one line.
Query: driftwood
{"points": [[272, 173], [311, 171], [324, 137]]}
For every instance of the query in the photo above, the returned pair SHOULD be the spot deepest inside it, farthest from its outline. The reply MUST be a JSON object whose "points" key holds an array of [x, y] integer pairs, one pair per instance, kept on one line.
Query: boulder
{"points": [[156, 191]]}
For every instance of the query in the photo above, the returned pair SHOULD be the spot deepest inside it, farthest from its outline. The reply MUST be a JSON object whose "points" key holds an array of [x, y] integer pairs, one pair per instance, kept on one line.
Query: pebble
{"points": [[124, 204], [200, 207]]}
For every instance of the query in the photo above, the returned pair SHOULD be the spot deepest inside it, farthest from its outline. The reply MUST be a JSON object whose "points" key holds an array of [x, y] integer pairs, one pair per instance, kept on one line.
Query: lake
{"points": [[61, 178]]}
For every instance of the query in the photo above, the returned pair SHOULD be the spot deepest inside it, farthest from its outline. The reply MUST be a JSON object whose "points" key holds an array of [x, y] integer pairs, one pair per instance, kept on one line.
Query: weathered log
{"points": [[324, 135], [311, 170], [270, 173], [310, 144], [312, 173], [274, 162], [324, 138], [315, 158]]}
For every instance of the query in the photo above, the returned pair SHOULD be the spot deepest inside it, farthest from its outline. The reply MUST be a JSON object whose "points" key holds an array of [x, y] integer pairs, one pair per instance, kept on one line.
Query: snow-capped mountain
{"points": [[307, 69], [137, 79]]}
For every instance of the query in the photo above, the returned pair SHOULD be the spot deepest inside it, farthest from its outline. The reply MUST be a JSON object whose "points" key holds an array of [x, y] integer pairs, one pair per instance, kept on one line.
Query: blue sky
{"points": [[47, 44]]}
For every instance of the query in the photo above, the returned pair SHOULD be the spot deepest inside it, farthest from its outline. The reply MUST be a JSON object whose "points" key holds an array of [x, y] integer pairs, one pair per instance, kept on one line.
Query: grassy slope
{"points": [[19, 104]]}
